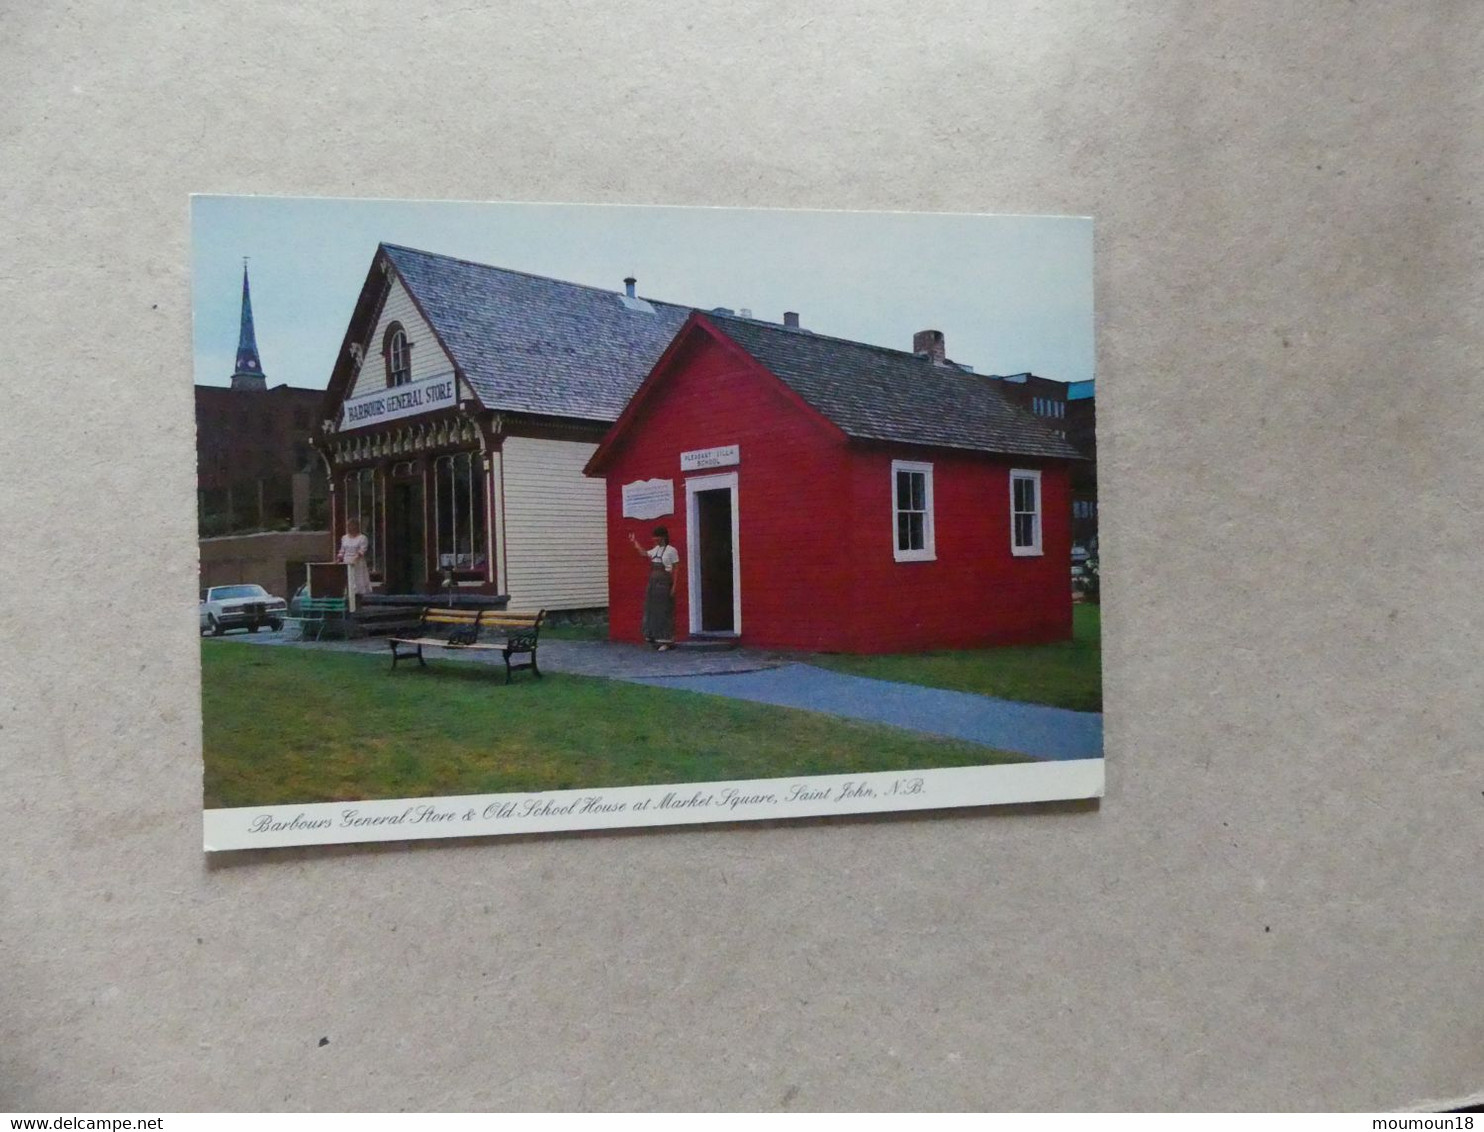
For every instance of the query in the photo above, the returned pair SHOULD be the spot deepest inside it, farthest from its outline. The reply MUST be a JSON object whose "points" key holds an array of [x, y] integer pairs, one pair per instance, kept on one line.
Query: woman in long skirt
{"points": [[658, 626]]}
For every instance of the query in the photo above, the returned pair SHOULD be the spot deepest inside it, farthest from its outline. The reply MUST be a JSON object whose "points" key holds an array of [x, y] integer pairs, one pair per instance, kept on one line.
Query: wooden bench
{"points": [[519, 634]]}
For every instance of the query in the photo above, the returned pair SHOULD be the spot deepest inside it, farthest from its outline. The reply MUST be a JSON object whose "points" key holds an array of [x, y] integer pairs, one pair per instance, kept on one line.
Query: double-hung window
{"points": [[912, 511], [1025, 512]]}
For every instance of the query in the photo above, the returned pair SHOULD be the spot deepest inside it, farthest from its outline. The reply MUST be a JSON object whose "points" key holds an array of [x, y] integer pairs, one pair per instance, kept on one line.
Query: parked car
{"points": [[247, 607], [296, 603]]}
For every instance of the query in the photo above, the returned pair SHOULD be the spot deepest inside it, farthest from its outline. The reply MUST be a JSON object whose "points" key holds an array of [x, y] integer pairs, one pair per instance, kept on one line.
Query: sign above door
{"points": [[400, 401], [723, 457]]}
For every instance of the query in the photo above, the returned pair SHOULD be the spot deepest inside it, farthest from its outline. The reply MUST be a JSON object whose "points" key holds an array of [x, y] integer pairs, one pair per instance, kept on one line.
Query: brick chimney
{"points": [[791, 319], [929, 344]]}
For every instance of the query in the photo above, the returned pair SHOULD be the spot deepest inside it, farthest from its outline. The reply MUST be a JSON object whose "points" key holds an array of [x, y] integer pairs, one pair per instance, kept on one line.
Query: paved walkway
{"points": [[744, 674], [580, 658], [1029, 729]]}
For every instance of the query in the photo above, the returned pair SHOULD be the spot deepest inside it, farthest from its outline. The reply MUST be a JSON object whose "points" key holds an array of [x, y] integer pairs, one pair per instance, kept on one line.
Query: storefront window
{"points": [[363, 504], [458, 483]]}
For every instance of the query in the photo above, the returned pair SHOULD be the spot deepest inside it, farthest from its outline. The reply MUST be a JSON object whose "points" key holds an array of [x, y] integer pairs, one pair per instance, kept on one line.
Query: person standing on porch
{"points": [[658, 627], [354, 547]]}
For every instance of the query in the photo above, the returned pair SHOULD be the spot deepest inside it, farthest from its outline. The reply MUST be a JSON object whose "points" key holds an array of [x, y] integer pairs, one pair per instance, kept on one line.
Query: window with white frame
{"points": [[1025, 512], [912, 511], [458, 487], [398, 353]]}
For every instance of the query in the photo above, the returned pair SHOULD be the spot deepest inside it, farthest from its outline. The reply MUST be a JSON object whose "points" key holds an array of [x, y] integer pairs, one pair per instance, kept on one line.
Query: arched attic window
{"points": [[397, 351]]}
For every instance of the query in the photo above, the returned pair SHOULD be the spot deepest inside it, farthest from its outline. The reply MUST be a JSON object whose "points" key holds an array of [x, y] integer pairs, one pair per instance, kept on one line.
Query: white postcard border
{"points": [[622, 807]]}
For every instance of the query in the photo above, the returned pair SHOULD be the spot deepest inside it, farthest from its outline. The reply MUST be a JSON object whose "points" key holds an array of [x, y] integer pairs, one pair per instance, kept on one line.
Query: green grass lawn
{"points": [[1067, 674], [298, 725]]}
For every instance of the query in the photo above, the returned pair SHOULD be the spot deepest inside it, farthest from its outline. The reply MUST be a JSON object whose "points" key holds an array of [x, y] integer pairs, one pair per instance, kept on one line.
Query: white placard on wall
{"points": [[648, 499]]}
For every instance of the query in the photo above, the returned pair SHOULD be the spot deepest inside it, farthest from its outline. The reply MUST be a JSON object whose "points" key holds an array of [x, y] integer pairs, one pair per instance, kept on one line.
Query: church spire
{"points": [[249, 372]]}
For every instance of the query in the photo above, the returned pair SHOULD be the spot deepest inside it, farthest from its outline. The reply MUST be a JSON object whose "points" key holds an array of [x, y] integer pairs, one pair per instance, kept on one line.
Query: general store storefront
{"points": [[416, 470], [464, 404], [456, 499]]}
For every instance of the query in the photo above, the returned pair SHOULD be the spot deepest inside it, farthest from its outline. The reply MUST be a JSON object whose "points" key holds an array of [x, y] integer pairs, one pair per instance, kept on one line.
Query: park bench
{"points": [[463, 630], [316, 611]]}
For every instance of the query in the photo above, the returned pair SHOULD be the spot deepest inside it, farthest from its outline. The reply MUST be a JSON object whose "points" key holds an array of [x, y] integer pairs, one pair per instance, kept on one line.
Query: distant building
{"points": [[256, 472], [1069, 408]]}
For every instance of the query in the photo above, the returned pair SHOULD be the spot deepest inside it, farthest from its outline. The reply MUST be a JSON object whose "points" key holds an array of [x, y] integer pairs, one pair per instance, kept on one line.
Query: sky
{"points": [[1010, 293]]}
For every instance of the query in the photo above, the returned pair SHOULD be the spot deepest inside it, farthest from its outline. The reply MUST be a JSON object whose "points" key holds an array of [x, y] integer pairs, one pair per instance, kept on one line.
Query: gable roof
{"points": [[529, 344], [873, 393]]}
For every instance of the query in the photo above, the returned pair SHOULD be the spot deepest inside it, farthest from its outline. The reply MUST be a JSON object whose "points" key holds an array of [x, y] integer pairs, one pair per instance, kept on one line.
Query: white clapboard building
{"points": [[463, 406]]}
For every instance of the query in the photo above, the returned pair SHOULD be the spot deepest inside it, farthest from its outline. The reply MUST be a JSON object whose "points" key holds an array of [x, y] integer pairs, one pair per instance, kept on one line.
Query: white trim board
{"points": [[694, 485]]}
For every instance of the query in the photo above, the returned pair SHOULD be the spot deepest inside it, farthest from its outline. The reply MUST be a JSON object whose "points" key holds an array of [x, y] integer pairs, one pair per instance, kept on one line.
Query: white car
{"points": [[241, 607]]}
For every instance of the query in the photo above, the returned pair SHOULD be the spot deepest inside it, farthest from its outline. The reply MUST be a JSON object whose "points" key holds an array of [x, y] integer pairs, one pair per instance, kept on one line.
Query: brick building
{"points": [[256, 472], [255, 468], [1068, 408]]}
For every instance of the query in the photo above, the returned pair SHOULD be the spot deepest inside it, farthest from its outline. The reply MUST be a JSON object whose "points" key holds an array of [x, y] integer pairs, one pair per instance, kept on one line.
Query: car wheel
{"points": [[216, 627], [252, 628], [275, 625]]}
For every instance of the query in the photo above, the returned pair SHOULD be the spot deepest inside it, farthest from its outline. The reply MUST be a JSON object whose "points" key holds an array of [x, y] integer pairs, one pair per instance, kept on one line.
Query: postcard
{"points": [[519, 518]]}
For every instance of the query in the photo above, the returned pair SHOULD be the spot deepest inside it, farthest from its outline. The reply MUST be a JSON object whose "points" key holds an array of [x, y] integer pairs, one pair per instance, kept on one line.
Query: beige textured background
{"points": [[1278, 904]]}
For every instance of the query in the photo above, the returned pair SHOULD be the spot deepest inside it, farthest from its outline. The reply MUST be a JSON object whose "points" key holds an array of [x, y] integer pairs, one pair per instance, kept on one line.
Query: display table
{"points": [[331, 579]]}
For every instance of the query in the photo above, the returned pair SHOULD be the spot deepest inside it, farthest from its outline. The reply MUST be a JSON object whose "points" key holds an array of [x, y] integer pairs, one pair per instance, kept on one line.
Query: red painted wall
{"points": [[791, 480], [975, 592], [816, 526]]}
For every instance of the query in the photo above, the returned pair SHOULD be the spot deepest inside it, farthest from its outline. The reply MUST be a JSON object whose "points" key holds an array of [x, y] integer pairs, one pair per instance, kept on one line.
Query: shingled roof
{"points": [[872, 393], [586, 349]]}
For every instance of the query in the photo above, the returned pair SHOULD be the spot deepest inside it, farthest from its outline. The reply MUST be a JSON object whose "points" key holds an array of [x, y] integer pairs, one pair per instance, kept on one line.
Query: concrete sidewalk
{"points": [[1028, 729]]}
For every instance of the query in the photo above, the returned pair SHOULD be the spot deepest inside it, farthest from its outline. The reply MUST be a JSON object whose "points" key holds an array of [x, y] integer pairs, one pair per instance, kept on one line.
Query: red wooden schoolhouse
{"points": [[837, 496]]}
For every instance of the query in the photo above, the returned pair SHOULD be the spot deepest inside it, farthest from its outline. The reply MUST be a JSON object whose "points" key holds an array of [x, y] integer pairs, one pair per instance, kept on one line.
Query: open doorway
{"points": [[406, 555], [714, 574]]}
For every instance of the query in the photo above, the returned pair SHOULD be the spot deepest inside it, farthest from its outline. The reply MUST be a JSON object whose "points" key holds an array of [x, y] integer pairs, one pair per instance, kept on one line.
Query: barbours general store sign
{"points": [[400, 401]]}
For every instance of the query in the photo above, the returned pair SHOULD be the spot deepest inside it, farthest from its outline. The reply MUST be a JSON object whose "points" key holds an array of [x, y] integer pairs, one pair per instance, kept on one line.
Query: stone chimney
{"points": [[628, 285], [929, 344], [791, 319]]}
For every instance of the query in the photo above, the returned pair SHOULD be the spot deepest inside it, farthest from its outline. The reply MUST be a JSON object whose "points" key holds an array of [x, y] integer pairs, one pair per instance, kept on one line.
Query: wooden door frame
{"points": [[694, 485]]}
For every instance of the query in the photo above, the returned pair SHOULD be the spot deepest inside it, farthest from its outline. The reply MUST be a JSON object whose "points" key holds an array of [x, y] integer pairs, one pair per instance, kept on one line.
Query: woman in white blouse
{"points": [[353, 550], [658, 626]]}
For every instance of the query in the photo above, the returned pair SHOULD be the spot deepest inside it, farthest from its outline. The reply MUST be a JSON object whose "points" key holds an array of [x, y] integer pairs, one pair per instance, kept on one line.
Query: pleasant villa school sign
{"points": [[723, 457], [400, 401]]}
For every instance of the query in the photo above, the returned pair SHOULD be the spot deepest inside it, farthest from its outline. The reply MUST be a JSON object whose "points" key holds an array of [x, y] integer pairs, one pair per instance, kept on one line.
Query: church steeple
{"points": [[249, 372]]}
